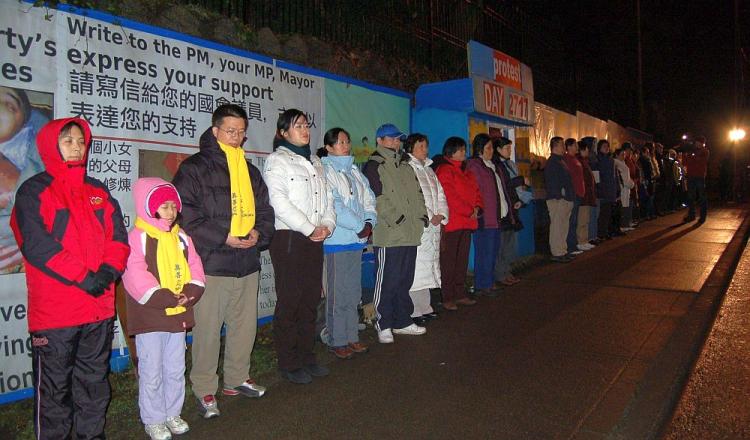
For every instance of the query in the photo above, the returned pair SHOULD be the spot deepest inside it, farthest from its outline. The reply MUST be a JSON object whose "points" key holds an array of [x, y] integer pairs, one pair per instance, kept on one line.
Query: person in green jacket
{"points": [[402, 217]]}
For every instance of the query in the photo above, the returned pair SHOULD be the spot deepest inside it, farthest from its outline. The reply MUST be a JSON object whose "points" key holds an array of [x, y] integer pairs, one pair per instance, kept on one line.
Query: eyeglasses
{"points": [[232, 132], [300, 126]]}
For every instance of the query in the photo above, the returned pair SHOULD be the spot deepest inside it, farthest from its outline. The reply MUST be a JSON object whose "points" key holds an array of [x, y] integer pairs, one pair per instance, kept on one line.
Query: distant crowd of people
{"points": [[594, 196], [192, 260]]}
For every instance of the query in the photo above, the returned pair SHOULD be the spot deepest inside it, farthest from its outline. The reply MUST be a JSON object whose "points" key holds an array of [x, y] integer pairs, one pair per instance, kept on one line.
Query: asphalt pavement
{"points": [[576, 350]]}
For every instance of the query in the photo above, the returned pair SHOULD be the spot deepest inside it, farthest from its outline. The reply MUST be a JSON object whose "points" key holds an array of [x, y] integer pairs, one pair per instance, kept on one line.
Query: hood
{"points": [[208, 141], [143, 189], [46, 141], [424, 163], [338, 163]]}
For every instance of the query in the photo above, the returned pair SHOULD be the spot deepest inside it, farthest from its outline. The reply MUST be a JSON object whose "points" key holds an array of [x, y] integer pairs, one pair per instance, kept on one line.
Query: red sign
{"points": [[507, 69], [518, 106], [494, 99]]}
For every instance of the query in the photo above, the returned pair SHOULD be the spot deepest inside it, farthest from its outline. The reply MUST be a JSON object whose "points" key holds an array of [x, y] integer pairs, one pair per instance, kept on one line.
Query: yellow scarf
{"points": [[243, 201], [173, 268]]}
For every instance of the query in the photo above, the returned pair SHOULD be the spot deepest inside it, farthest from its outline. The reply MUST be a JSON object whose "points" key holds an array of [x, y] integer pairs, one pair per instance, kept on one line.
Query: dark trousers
{"points": [[454, 262], [605, 218], [697, 195], [71, 390], [298, 273], [486, 247], [572, 238], [395, 275]]}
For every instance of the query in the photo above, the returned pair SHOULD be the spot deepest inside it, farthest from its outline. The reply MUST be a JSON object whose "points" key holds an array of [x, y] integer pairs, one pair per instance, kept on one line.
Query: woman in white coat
{"points": [[304, 217], [626, 184], [427, 271]]}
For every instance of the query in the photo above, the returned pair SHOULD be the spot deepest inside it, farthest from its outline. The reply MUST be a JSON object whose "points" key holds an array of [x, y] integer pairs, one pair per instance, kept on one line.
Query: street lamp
{"points": [[737, 134]]}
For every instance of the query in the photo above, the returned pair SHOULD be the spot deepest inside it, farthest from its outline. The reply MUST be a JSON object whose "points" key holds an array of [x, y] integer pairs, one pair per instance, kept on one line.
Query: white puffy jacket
{"points": [[427, 271], [626, 183], [298, 192]]}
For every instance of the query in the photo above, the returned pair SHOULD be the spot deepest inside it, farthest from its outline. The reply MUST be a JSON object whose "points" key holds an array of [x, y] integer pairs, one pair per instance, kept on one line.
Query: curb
{"points": [[657, 395]]}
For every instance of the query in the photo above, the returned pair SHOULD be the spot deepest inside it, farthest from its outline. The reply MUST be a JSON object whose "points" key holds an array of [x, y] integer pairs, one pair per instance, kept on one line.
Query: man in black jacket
{"points": [[231, 261], [560, 196]]}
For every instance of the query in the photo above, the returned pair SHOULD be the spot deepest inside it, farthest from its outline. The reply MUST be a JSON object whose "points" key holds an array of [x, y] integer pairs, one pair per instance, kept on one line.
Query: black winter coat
{"points": [[203, 183]]}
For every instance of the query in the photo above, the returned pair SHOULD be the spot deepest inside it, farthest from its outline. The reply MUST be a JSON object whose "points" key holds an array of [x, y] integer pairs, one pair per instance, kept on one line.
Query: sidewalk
{"points": [[714, 403], [574, 351]]}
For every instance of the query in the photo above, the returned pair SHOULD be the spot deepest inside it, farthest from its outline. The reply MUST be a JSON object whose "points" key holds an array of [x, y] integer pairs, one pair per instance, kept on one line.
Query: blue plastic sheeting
{"points": [[439, 125], [448, 95]]}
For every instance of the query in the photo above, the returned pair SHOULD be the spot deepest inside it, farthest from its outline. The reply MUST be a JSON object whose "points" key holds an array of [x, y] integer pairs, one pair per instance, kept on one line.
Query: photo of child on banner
{"points": [[20, 120]]}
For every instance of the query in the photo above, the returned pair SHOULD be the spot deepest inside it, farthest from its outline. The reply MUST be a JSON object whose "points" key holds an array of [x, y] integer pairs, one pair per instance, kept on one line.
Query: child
{"points": [[164, 279]]}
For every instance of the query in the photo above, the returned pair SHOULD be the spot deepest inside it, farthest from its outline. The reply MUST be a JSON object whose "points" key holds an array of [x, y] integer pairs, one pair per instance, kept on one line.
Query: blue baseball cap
{"points": [[390, 130]]}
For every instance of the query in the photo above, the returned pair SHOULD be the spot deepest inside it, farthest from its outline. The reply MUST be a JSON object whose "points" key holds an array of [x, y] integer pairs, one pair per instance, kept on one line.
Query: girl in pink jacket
{"points": [[164, 279]]}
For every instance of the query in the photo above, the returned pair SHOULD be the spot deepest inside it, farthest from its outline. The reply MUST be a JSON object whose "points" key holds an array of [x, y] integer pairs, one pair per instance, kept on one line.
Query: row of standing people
{"points": [[595, 196], [193, 260]]}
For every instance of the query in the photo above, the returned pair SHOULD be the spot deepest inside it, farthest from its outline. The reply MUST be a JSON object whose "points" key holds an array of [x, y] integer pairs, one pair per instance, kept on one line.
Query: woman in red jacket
{"points": [[74, 245], [465, 206]]}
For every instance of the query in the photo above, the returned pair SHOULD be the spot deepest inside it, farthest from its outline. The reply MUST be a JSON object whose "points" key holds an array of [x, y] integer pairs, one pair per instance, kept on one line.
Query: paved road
{"points": [[558, 356]]}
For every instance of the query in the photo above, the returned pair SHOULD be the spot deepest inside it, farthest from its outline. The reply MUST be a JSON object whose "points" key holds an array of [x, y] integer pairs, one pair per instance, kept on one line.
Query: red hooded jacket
{"points": [[68, 227]]}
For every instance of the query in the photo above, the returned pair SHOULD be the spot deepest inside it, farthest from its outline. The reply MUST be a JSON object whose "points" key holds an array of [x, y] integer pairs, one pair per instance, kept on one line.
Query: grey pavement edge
{"points": [[659, 391]]}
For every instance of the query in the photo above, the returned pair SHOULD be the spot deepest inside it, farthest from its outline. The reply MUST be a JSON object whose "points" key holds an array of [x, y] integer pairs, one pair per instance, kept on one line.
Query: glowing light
{"points": [[737, 134], [684, 137]]}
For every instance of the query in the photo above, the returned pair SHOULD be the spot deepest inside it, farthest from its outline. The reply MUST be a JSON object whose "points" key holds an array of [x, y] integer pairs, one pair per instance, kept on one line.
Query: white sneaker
{"points": [[208, 407], [584, 247], [412, 329], [158, 432], [177, 426], [575, 252], [385, 336], [628, 229]]}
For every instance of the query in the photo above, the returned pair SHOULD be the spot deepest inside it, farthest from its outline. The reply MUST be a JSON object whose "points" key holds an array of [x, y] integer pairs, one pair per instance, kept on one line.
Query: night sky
{"points": [[688, 60]]}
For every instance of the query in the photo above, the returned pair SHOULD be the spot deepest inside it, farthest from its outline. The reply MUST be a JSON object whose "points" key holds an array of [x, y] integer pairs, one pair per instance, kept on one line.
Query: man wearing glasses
{"points": [[227, 213]]}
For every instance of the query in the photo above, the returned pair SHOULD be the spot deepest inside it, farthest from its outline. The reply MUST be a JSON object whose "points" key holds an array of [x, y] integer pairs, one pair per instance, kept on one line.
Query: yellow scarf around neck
{"points": [[242, 198], [171, 263]]}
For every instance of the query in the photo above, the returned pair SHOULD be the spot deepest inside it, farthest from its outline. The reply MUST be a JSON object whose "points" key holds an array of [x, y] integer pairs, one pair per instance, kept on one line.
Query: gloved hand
{"points": [[366, 231], [425, 220], [104, 277], [92, 285]]}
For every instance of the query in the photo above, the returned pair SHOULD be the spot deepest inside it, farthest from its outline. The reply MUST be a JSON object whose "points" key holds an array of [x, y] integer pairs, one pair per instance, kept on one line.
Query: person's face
{"points": [[558, 148], [584, 153], [505, 151], [11, 113], [572, 149], [168, 211], [342, 147], [459, 155], [420, 150], [298, 133], [487, 151], [391, 143], [231, 131], [604, 148], [72, 144]]}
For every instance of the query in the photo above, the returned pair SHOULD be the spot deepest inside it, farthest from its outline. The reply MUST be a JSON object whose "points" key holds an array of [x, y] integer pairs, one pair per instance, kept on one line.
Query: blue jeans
{"points": [[697, 194]]}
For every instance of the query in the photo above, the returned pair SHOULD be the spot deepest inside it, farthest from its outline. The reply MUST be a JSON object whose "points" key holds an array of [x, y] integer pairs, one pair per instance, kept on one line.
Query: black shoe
{"points": [[560, 259], [489, 293], [430, 316], [420, 321], [298, 376], [316, 370]]}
